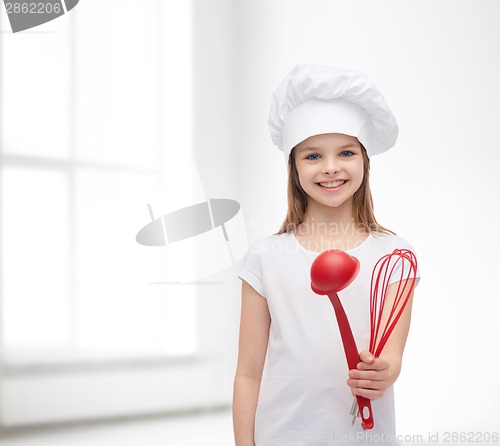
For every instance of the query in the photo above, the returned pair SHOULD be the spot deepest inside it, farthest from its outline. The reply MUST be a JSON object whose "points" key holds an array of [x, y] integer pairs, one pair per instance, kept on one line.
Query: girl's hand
{"points": [[371, 378]]}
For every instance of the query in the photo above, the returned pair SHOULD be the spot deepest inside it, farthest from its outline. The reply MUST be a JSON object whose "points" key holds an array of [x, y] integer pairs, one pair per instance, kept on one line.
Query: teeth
{"points": [[334, 184]]}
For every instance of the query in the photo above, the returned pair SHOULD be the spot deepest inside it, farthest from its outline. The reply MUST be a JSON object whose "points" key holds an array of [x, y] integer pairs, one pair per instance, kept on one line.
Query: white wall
{"points": [[438, 66]]}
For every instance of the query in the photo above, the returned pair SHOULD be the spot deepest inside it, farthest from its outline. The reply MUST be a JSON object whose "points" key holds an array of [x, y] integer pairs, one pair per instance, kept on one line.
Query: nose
{"points": [[330, 166]]}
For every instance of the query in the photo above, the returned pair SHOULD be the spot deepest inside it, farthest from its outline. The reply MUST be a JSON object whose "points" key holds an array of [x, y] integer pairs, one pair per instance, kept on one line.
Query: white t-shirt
{"points": [[304, 399]]}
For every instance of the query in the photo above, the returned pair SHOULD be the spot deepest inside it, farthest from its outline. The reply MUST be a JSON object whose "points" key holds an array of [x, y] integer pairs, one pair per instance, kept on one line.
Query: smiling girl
{"points": [[292, 386]]}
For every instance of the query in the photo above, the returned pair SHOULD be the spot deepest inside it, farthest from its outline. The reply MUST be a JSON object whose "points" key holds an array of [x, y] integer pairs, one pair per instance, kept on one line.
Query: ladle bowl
{"points": [[332, 271]]}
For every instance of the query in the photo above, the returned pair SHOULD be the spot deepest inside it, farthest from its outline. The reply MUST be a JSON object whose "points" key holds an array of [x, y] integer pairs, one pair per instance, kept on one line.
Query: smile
{"points": [[332, 185]]}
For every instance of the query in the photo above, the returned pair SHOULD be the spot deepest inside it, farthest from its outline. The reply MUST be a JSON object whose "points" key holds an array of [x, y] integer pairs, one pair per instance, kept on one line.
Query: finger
{"points": [[366, 356], [373, 375], [366, 384], [377, 364], [369, 393]]}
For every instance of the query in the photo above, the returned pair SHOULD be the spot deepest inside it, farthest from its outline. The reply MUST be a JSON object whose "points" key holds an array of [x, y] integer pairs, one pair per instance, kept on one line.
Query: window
{"points": [[88, 104]]}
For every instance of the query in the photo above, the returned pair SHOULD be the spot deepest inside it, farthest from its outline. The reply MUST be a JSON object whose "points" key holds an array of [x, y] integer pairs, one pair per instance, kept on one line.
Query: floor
{"points": [[207, 429]]}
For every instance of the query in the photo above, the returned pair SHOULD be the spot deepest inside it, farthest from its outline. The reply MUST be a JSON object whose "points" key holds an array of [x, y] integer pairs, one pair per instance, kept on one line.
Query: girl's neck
{"points": [[325, 227], [318, 216]]}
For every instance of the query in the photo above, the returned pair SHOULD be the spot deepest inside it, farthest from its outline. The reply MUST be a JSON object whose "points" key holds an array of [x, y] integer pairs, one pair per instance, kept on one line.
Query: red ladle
{"points": [[331, 272]]}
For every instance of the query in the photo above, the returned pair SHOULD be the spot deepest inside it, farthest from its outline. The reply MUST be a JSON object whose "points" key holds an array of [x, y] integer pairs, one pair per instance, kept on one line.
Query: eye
{"points": [[346, 153], [309, 156]]}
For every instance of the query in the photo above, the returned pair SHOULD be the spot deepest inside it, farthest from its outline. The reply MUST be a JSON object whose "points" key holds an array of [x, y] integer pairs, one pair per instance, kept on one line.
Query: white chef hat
{"points": [[315, 99]]}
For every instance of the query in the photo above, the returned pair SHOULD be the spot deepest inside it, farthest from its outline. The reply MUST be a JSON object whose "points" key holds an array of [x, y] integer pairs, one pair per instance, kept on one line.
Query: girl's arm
{"points": [[375, 375], [254, 336]]}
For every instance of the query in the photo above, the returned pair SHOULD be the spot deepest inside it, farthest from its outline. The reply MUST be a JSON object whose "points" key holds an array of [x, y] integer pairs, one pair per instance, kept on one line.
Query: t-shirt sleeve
{"points": [[251, 268]]}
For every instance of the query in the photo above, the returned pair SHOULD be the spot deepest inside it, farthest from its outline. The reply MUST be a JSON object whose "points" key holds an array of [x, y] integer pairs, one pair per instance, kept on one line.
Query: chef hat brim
{"points": [[314, 99]]}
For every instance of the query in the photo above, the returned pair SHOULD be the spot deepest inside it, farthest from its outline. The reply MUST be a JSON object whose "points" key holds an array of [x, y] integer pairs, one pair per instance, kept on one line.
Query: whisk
{"points": [[334, 270], [382, 323]]}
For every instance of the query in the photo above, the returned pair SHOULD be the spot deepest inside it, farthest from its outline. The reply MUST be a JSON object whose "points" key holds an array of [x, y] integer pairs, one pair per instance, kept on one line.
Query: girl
{"points": [[292, 386]]}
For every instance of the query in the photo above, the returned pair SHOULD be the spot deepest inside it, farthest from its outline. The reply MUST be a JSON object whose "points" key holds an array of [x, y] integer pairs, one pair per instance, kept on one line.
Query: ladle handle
{"points": [[352, 356]]}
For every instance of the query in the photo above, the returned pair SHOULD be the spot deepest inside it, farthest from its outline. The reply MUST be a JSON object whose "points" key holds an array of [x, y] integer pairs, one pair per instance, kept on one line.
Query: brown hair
{"points": [[362, 200]]}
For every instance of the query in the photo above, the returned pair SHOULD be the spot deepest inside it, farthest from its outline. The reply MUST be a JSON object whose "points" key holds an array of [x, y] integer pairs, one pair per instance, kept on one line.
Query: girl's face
{"points": [[330, 168]]}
